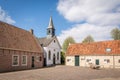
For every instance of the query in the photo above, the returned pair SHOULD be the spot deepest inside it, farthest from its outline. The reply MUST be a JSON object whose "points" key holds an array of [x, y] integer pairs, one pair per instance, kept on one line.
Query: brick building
{"points": [[104, 53], [19, 49]]}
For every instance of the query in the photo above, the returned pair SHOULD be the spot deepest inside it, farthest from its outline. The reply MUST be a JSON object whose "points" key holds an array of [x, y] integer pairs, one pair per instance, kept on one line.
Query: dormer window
{"points": [[108, 49], [54, 41]]}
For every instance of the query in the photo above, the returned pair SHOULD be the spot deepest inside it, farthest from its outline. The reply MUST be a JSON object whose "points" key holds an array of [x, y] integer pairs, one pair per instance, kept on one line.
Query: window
{"points": [[58, 56], [68, 60], [24, 60], [119, 61], [108, 50], [41, 45], [49, 55], [83, 58], [88, 60], [54, 41], [15, 60], [38, 58], [106, 60], [49, 31]]}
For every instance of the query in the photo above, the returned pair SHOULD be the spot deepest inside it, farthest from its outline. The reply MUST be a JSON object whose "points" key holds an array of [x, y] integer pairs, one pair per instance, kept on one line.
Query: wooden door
{"points": [[76, 60]]}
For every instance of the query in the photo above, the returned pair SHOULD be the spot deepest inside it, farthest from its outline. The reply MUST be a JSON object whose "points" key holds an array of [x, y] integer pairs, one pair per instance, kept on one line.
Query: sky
{"points": [[75, 18]]}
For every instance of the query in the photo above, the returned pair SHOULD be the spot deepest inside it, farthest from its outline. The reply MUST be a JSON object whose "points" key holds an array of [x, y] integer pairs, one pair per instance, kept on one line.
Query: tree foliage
{"points": [[62, 57], [67, 41], [115, 33], [88, 39]]}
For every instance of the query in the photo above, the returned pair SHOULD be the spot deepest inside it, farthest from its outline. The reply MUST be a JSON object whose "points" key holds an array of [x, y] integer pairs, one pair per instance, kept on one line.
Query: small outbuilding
{"points": [[106, 54]]}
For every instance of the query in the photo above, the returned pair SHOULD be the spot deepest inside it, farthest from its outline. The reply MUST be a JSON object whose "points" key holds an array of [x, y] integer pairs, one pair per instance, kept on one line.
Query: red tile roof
{"points": [[16, 38], [95, 48]]}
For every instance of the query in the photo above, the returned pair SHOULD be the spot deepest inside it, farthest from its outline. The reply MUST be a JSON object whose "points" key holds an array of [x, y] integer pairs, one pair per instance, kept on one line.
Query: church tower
{"points": [[50, 29]]}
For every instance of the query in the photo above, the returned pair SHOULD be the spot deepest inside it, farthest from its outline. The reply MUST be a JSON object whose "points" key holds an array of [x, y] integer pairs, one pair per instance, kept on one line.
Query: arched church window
{"points": [[49, 55], [49, 31], [54, 41], [58, 56]]}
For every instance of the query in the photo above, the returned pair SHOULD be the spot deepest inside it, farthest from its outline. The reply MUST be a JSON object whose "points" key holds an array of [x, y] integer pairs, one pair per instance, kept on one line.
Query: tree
{"points": [[88, 39], [115, 33], [62, 57], [67, 41]]}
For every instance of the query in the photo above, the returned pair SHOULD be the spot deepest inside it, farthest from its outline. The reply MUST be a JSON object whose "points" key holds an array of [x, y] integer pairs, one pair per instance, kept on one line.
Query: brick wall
{"points": [[6, 60]]}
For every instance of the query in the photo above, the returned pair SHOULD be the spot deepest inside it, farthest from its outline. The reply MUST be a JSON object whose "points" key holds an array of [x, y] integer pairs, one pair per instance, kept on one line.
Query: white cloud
{"points": [[5, 17], [91, 11], [101, 16], [80, 31]]}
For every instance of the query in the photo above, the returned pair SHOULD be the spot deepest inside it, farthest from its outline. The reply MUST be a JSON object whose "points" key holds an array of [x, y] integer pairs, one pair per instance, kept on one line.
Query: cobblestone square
{"points": [[63, 73]]}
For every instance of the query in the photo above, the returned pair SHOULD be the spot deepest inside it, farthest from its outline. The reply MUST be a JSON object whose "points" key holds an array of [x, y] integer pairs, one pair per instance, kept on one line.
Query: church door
{"points": [[54, 59]]}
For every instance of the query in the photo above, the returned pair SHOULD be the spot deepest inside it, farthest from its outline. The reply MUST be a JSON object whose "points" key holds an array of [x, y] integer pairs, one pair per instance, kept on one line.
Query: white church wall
{"points": [[54, 48]]}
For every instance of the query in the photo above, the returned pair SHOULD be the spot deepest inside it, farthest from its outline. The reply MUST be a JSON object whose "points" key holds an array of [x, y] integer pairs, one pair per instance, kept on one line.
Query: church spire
{"points": [[51, 25], [50, 29]]}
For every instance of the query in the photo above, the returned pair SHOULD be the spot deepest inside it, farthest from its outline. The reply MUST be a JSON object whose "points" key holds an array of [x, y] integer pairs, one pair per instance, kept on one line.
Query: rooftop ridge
{"points": [[11, 25]]}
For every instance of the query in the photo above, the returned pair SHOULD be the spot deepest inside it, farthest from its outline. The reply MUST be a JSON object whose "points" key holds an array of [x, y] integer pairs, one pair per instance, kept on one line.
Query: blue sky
{"points": [[76, 18], [34, 14]]}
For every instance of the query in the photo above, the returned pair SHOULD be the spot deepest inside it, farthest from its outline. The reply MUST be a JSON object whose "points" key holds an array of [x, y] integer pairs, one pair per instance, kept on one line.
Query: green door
{"points": [[76, 60], [97, 61]]}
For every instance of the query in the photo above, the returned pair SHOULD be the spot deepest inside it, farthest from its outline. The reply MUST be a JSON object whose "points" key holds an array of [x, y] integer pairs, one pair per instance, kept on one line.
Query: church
{"points": [[51, 46]]}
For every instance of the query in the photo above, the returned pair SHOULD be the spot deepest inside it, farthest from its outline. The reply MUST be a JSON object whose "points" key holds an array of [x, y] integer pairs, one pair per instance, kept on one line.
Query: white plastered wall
{"points": [[54, 48], [70, 60]]}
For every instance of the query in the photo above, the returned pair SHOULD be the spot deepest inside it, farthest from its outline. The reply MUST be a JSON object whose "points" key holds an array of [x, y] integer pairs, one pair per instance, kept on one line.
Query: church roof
{"points": [[45, 41], [95, 48], [15, 38], [51, 25]]}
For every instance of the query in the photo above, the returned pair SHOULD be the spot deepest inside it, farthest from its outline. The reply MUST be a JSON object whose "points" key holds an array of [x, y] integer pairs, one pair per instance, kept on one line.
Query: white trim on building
{"points": [[14, 58], [22, 61]]}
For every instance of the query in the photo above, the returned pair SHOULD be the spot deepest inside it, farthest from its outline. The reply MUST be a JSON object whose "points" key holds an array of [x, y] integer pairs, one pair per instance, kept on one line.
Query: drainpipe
{"points": [[85, 60]]}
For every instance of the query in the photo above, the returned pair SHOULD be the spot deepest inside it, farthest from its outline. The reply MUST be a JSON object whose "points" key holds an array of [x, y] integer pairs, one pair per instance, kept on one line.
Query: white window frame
{"points": [[22, 60], [13, 59], [37, 58]]}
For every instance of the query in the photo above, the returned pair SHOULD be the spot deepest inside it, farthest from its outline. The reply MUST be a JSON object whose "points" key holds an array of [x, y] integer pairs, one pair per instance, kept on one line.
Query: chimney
{"points": [[69, 43], [31, 31]]}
